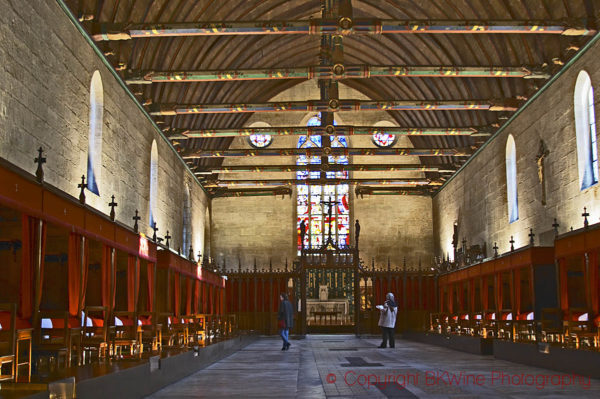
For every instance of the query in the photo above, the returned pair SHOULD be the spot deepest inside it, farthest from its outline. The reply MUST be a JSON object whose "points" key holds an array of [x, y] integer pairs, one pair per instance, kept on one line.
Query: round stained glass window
{"points": [[260, 140], [384, 140]]}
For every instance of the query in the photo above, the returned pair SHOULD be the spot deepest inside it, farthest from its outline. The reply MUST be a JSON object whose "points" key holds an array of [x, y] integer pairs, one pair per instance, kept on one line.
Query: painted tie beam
{"points": [[250, 192], [337, 71], [329, 168], [370, 190], [335, 106], [315, 182], [277, 152], [343, 26], [184, 134]]}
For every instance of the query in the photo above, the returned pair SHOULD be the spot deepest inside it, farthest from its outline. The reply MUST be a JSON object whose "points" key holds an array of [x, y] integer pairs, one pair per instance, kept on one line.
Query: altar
{"points": [[326, 311]]}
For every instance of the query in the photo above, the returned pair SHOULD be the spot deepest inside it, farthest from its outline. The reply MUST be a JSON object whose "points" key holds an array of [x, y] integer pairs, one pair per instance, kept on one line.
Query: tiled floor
{"points": [[334, 366]]}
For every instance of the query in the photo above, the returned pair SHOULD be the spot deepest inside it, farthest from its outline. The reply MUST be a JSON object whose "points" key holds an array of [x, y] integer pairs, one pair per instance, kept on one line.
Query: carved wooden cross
{"points": [[531, 235], [155, 228], [495, 248], [40, 160], [512, 243], [167, 237], [82, 186], [585, 215], [112, 205], [541, 155], [136, 218], [556, 226]]}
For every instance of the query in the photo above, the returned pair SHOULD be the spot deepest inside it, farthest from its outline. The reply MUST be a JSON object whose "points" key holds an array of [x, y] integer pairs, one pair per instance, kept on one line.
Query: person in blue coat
{"points": [[285, 319]]}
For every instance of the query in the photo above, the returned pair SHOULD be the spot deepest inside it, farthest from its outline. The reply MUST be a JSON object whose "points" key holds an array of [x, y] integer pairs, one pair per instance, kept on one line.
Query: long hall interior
{"points": [[253, 198]]}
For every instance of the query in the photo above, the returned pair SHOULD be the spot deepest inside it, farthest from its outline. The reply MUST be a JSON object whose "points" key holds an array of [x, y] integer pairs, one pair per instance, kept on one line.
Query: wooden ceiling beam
{"points": [[338, 71], [342, 26], [440, 168], [335, 105], [278, 152], [404, 182], [184, 134]]}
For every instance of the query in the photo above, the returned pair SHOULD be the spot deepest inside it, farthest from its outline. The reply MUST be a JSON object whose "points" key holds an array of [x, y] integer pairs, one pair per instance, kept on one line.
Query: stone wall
{"points": [[265, 227], [476, 198], [46, 67]]}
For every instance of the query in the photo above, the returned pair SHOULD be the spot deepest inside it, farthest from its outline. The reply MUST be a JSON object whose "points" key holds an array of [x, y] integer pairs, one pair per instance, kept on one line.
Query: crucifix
{"points": [[585, 215], [136, 218], [82, 186], [495, 248], [556, 226], [167, 237], [112, 205], [531, 235], [40, 160], [155, 230], [512, 243], [541, 155], [330, 206]]}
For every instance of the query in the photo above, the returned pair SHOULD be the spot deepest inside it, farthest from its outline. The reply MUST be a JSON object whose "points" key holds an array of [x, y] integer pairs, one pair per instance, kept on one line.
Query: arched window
{"points": [[187, 220], [260, 140], [585, 128], [153, 183], [94, 163], [511, 180], [310, 201]]}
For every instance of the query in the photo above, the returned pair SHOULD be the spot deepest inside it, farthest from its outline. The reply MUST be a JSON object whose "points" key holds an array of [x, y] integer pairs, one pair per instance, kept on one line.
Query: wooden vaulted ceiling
{"points": [[547, 52]]}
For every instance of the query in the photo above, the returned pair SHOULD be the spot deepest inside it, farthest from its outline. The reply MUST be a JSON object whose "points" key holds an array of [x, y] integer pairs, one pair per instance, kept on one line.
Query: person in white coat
{"points": [[387, 320]]}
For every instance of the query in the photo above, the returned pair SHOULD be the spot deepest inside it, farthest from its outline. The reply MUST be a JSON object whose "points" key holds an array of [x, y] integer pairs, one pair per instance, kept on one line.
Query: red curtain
{"points": [[484, 294], [176, 293], [511, 288], [28, 233], [205, 308], [517, 294], [188, 304], [498, 284], [564, 291], [472, 295], [450, 298], [197, 296], [133, 282], [74, 278], [108, 297], [594, 281], [150, 273]]}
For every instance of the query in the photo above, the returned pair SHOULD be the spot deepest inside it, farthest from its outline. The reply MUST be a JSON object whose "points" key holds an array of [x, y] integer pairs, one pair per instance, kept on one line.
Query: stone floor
{"points": [[336, 366]]}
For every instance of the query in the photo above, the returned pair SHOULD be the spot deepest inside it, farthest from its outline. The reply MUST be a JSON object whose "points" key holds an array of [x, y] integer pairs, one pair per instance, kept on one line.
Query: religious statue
{"points": [[541, 155], [302, 233], [356, 231]]}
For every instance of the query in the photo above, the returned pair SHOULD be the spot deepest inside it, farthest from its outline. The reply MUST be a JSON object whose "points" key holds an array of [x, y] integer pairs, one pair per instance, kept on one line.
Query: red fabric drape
{"points": [[105, 272], [176, 294], [197, 296], [205, 308], [511, 288], [498, 291], [74, 277], [517, 294], [450, 299], [484, 293], [188, 302], [150, 275], [133, 282], [594, 281], [377, 293], [564, 291], [39, 289], [27, 267], [442, 299], [472, 295]]}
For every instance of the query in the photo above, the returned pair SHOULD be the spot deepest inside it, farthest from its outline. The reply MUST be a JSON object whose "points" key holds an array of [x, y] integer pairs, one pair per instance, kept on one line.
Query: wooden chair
{"points": [[57, 334], [489, 326], [150, 331], [505, 324], [551, 325], [95, 331], [579, 327], [126, 333], [8, 329], [524, 327]]}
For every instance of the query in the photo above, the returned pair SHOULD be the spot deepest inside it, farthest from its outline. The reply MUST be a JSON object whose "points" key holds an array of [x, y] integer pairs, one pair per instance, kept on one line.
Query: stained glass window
{"points": [[384, 139], [260, 140], [312, 199]]}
